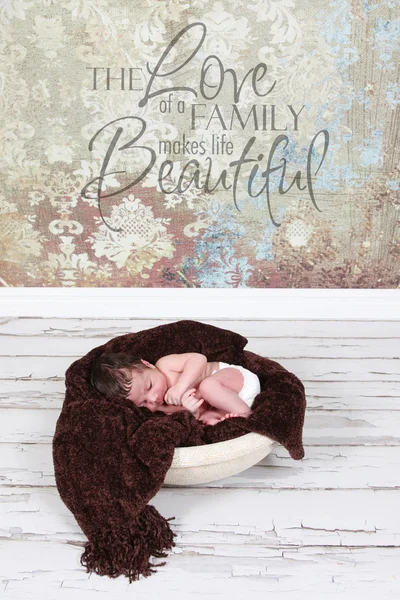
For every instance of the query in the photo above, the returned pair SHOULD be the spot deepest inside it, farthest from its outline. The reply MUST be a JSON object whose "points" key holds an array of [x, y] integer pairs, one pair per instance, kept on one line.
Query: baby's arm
{"points": [[169, 408], [190, 366]]}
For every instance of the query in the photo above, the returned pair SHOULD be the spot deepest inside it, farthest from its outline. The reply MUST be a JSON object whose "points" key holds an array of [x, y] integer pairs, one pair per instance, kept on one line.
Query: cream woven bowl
{"points": [[210, 462]]}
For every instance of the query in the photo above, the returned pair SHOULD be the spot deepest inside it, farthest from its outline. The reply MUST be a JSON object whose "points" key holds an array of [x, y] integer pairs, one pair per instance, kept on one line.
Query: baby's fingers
{"points": [[192, 404], [195, 403]]}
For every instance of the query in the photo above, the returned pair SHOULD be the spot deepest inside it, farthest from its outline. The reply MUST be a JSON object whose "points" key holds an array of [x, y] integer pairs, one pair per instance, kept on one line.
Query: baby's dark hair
{"points": [[111, 373]]}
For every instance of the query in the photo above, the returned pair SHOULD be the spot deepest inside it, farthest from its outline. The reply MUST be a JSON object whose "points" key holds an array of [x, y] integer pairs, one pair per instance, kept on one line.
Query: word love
{"points": [[258, 72], [167, 167]]}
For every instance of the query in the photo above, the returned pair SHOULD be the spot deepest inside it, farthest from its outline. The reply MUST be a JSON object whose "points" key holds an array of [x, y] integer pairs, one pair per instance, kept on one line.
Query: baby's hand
{"points": [[174, 395], [190, 402]]}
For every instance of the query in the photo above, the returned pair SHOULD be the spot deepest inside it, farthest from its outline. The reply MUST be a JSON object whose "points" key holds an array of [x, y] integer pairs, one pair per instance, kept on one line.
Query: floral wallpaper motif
{"points": [[263, 137]]}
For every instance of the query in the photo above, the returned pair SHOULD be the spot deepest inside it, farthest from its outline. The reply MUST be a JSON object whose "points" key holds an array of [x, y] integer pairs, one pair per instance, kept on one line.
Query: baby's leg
{"points": [[222, 389]]}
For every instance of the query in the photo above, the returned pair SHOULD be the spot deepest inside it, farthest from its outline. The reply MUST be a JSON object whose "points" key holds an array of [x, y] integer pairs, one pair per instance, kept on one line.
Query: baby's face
{"points": [[148, 387]]}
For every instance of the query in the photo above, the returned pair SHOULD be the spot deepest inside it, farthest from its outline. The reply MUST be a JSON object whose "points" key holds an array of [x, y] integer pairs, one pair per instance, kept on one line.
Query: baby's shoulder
{"points": [[175, 362], [165, 363], [171, 361]]}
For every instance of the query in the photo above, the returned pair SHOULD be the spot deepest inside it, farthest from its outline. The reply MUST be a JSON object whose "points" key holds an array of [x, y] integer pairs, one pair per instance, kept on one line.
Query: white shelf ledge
{"points": [[204, 303]]}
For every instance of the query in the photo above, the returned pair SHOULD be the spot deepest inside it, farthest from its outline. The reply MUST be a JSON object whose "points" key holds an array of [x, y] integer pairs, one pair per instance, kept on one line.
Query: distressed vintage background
{"points": [[339, 59]]}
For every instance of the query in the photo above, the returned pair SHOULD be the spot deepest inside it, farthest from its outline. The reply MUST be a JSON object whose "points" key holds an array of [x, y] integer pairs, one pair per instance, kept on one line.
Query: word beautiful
{"points": [[167, 167], [275, 161]]}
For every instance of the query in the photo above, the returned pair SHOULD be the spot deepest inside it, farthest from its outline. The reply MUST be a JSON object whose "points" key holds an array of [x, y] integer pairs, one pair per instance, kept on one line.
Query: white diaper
{"points": [[251, 386]]}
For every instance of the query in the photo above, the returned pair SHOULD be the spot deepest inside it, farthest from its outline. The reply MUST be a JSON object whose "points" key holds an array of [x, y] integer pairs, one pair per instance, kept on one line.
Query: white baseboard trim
{"points": [[205, 303]]}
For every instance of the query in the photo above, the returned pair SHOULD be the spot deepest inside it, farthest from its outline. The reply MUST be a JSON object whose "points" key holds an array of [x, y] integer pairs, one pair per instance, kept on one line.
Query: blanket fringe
{"points": [[128, 552]]}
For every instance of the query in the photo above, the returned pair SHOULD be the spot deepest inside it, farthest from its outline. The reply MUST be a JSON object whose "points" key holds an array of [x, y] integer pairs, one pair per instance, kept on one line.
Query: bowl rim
{"points": [[207, 454]]}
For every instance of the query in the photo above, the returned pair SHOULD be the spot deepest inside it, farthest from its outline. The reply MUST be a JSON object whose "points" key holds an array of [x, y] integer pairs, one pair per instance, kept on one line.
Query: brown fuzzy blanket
{"points": [[111, 457]]}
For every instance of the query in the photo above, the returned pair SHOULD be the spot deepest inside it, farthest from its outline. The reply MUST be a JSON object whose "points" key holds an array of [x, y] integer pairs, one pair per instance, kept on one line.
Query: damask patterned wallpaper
{"points": [[200, 144]]}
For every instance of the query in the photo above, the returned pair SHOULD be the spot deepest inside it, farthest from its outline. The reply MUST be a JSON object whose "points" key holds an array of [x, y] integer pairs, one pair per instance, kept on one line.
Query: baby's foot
{"points": [[210, 417], [229, 415]]}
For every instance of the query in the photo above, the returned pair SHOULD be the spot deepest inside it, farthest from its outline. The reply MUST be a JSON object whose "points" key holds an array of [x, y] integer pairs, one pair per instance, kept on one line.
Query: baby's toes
{"points": [[227, 416]]}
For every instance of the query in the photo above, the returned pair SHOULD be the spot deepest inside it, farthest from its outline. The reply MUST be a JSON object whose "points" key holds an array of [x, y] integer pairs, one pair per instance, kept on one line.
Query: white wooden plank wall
{"points": [[328, 525]]}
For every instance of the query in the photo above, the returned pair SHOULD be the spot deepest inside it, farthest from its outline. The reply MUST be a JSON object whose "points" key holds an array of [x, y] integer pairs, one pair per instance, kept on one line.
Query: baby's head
{"points": [[125, 376]]}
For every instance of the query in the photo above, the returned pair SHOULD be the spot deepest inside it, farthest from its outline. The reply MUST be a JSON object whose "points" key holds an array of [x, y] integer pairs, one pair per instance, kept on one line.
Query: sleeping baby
{"points": [[211, 391]]}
